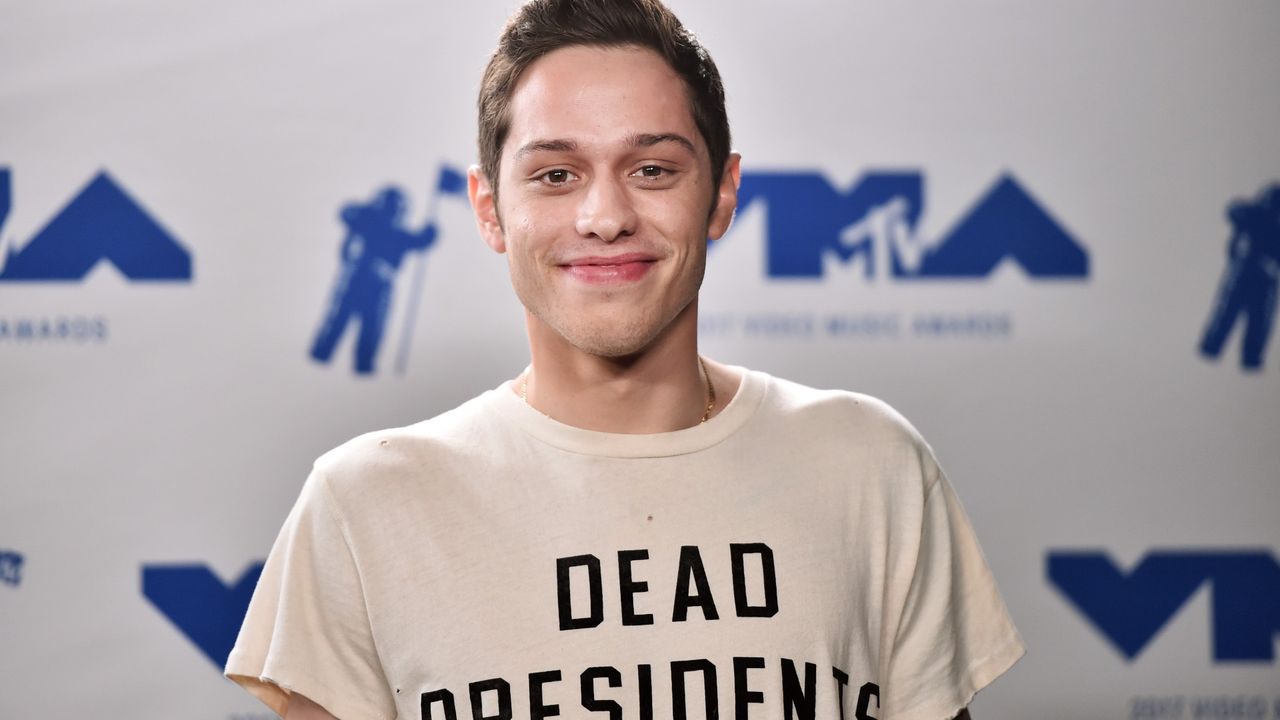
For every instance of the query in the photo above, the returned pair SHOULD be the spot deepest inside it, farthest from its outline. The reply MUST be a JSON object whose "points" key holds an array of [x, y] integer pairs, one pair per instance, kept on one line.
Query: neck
{"points": [[659, 389]]}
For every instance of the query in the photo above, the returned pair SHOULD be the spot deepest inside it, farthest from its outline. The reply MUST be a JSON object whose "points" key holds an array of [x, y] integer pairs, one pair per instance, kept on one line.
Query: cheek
{"points": [[527, 248], [536, 224], [682, 223], [520, 237]]}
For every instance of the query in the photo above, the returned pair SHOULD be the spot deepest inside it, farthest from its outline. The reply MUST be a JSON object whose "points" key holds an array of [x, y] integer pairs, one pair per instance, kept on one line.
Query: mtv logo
{"points": [[101, 223], [10, 568], [1130, 608], [877, 220]]}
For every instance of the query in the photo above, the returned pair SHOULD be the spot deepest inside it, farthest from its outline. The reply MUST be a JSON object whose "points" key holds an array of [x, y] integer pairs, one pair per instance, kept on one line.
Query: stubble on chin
{"points": [[604, 336], [613, 334]]}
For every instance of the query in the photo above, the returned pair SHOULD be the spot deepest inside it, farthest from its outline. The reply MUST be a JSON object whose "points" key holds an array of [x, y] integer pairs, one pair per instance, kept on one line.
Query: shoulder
{"points": [[841, 411], [840, 433], [411, 452]]}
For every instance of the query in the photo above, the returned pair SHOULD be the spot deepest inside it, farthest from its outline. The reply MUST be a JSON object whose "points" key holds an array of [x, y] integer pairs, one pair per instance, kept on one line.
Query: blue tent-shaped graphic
{"points": [[100, 223], [1007, 223]]}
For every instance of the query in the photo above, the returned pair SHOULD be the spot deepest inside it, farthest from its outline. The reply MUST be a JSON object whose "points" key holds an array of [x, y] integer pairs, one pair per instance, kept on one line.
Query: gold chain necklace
{"points": [[711, 390]]}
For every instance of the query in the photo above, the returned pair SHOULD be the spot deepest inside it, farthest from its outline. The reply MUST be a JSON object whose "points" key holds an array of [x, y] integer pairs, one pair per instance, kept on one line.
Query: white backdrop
{"points": [[155, 423]]}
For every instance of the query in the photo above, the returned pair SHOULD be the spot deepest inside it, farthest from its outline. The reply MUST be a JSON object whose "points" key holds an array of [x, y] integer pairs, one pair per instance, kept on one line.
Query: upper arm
{"points": [[308, 627], [301, 708]]}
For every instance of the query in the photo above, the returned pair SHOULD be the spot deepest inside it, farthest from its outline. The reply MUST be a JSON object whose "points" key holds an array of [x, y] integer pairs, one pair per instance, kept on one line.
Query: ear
{"points": [[480, 191], [726, 197]]}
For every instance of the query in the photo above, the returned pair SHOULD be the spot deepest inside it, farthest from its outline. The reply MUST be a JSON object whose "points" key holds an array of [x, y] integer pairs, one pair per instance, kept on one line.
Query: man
{"points": [[624, 530]]}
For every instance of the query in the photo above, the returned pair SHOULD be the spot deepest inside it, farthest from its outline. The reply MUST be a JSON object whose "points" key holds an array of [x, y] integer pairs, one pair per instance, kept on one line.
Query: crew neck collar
{"points": [[743, 405]]}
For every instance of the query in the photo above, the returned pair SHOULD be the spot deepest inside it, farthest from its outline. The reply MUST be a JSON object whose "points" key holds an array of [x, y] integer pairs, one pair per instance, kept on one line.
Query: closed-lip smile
{"points": [[608, 269]]}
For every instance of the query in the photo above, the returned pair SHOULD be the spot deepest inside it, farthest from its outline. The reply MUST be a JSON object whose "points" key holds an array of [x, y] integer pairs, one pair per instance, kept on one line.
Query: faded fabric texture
{"points": [[801, 552]]}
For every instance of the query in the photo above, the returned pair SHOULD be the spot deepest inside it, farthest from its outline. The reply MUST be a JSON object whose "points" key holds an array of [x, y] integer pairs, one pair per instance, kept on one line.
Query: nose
{"points": [[606, 211]]}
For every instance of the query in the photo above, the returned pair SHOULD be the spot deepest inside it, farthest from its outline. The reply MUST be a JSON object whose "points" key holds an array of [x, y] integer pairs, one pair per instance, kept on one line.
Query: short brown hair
{"points": [[541, 26]]}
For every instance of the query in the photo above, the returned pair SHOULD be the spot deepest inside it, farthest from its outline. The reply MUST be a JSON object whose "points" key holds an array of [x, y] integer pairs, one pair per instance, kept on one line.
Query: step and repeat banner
{"points": [[1048, 233]]}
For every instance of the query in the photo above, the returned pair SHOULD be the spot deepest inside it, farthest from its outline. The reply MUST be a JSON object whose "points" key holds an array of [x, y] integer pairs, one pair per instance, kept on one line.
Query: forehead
{"points": [[598, 96]]}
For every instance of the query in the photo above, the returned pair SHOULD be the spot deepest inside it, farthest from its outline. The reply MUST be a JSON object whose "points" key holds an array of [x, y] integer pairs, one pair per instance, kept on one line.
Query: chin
{"points": [[610, 344], [610, 337], [607, 330]]}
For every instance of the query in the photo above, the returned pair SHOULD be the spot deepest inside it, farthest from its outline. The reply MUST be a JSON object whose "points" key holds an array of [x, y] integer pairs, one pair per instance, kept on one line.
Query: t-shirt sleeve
{"points": [[954, 634], [307, 629]]}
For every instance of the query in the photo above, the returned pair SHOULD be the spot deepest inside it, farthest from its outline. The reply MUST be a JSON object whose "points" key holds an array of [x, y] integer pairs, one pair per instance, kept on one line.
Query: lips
{"points": [[628, 267]]}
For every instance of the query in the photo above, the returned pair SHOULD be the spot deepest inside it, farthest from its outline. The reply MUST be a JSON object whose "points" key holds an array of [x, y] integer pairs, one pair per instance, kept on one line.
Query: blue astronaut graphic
{"points": [[1248, 285], [372, 252], [10, 567]]}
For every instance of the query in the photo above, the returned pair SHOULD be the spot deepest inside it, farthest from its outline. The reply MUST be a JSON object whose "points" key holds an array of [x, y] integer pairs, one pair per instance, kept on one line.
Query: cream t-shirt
{"points": [[800, 555]]}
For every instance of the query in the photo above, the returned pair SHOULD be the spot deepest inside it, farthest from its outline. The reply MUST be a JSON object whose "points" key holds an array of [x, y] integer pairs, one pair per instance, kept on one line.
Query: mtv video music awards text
{"points": [[1204, 707], [806, 325]]}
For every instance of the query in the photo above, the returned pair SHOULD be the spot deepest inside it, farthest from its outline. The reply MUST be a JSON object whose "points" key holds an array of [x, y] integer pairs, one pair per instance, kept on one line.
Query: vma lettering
{"points": [[101, 223], [1130, 608], [876, 222], [206, 610]]}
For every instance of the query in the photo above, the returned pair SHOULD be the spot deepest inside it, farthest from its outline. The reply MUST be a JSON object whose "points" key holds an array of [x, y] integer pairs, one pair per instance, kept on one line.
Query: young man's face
{"points": [[605, 195]]}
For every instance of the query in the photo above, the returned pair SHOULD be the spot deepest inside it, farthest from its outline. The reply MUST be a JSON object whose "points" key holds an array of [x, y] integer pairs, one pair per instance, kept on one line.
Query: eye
{"points": [[652, 172], [558, 176]]}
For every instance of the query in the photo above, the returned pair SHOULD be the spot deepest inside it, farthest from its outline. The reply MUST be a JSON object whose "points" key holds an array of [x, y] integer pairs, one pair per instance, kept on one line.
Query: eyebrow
{"points": [[650, 139], [638, 140], [546, 146]]}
